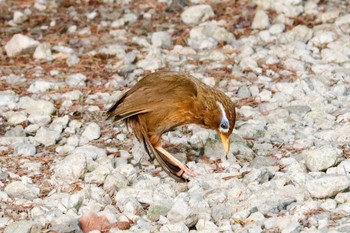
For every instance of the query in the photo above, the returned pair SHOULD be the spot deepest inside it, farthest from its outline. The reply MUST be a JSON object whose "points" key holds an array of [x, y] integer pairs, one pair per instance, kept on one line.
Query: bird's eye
{"points": [[224, 125]]}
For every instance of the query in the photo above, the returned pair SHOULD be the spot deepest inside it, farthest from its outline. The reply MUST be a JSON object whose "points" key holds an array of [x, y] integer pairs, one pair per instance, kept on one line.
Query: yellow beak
{"points": [[226, 143]]}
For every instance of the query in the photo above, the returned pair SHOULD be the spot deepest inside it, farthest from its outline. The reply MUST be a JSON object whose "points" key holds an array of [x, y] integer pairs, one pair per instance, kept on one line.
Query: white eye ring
{"points": [[224, 124]]}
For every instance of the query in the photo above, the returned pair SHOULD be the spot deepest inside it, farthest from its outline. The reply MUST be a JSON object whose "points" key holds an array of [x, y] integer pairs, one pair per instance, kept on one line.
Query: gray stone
{"points": [[322, 37], [342, 198], [343, 24], [91, 152], [243, 92], [15, 132], [174, 227], [47, 137], [59, 124], [153, 61], [39, 86], [38, 119], [76, 80], [207, 36], [299, 33], [111, 50], [71, 168], [161, 39], [15, 118], [114, 182], [20, 44], [22, 226], [40, 107], [261, 20], [327, 185], [26, 149], [196, 14], [155, 211], [207, 225], [8, 98], [334, 55], [298, 109], [98, 175], [73, 95], [181, 210], [19, 17], [322, 158], [92, 131], [276, 29], [18, 189], [43, 51]]}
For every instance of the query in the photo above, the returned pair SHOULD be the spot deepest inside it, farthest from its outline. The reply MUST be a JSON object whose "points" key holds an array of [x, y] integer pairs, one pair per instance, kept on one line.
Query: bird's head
{"points": [[221, 118]]}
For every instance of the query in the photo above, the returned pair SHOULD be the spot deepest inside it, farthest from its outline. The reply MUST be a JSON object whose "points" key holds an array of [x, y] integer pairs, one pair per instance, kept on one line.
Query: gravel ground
{"points": [[286, 63]]}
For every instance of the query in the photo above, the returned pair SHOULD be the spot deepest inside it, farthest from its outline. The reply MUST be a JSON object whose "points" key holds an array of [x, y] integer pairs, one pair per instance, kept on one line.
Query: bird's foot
{"points": [[186, 170]]}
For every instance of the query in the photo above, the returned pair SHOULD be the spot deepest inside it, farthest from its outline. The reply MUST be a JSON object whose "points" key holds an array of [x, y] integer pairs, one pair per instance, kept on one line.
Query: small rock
{"points": [[91, 152], [39, 86], [26, 149], [342, 24], [299, 33], [175, 227], [18, 189], [161, 39], [22, 226], [76, 80], [243, 92], [20, 44], [153, 61], [261, 20], [277, 29], [154, 211], [111, 50], [19, 17], [97, 176], [59, 124], [73, 95], [342, 198], [180, 210], [39, 119], [327, 185], [43, 51], [322, 158], [92, 131], [299, 110], [197, 14], [71, 168], [322, 37], [114, 182], [47, 137], [8, 98], [15, 132], [15, 118], [41, 107]]}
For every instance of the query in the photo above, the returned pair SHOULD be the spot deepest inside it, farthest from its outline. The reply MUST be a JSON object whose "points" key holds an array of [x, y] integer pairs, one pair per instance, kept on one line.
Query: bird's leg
{"points": [[175, 161]]}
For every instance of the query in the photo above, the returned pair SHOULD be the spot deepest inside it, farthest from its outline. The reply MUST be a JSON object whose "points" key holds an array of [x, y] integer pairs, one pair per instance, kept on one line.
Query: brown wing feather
{"points": [[147, 94]]}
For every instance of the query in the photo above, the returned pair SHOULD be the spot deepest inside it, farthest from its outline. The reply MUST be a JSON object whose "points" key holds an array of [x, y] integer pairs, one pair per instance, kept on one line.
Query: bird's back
{"points": [[161, 90]]}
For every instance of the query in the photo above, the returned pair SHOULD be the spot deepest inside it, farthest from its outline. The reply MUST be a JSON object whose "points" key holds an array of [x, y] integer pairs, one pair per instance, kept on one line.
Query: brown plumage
{"points": [[162, 101]]}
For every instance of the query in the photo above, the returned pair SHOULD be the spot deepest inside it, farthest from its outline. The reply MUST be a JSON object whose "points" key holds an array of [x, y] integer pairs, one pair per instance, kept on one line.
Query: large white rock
{"points": [[261, 20], [20, 44], [327, 185], [197, 14], [322, 158]]}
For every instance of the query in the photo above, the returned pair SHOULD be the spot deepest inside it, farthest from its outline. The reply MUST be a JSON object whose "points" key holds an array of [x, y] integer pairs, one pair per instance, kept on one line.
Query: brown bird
{"points": [[162, 101]]}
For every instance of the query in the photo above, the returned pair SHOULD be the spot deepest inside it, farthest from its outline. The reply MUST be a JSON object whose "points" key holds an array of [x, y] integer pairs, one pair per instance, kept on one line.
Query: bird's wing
{"points": [[152, 91]]}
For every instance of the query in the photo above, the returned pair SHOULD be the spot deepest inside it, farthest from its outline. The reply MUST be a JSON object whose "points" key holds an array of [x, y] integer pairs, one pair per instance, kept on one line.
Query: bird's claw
{"points": [[186, 170]]}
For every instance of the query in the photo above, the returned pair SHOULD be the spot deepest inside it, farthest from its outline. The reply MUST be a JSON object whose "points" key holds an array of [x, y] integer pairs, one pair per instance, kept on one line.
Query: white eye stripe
{"points": [[224, 117]]}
